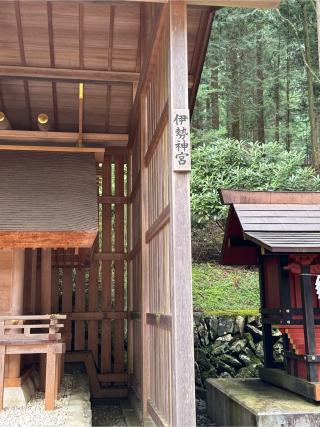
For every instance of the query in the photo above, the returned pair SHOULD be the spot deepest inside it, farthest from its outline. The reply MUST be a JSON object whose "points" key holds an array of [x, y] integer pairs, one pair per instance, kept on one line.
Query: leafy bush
{"points": [[242, 165]]}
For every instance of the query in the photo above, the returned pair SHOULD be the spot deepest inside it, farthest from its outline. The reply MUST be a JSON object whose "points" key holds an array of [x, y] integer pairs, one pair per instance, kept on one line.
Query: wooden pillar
{"points": [[46, 303], [11, 301], [183, 390], [144, 258], [266, 327], [308, 322], [46, 297], [285, 304]]}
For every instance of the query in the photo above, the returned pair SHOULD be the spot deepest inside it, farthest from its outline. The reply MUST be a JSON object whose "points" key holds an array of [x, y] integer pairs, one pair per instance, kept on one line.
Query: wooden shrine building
{"points": [[95, 99], [280, 233]]}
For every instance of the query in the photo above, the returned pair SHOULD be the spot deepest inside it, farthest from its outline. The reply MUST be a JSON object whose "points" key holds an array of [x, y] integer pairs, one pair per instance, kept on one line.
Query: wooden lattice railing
{"points": [[13, 329], [18, 337]]}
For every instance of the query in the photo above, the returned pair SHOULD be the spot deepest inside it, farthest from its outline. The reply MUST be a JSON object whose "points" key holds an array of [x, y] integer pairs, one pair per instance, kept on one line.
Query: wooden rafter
{"points": [[22, 57], [52, 63], [67, 75]]}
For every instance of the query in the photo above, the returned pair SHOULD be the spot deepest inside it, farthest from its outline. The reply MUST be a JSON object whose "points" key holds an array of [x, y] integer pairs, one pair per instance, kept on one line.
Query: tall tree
{"points": [[259, 89], [215, 92], [287, 138], [315, 153], [277, 95]]}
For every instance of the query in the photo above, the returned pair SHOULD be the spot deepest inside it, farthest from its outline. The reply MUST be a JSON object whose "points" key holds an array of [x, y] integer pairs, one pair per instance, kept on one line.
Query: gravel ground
{"points": [[106, 414], [34, 415]]}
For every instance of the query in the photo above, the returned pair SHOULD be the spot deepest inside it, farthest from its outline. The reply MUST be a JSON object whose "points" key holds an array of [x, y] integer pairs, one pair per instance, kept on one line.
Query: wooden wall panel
{"points": [[67, 303], [164, 229], [93, 301], [94, 297], [106, 267], [79, 306], [119, 268], [151, 349]]}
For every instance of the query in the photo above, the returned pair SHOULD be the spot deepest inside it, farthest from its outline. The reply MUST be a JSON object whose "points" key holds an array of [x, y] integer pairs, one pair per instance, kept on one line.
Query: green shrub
{"points": [[243, 165]]}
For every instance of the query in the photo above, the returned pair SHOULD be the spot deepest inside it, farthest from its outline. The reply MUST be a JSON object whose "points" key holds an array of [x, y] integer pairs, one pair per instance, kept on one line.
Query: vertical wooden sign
{"points": [[181, 140]]}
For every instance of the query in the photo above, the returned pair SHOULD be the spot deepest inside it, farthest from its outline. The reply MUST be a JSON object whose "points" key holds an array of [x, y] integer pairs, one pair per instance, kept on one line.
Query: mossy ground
{"points": [[225, 290]]}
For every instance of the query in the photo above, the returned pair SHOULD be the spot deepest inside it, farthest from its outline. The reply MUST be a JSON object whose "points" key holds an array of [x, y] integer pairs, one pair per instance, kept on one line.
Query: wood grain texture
{"points": [[67, 74], [267, 197], [180, 267]]}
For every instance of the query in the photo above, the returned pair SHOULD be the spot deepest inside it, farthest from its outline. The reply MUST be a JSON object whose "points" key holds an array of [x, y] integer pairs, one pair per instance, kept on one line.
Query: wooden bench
{"points": [[34, 335]]}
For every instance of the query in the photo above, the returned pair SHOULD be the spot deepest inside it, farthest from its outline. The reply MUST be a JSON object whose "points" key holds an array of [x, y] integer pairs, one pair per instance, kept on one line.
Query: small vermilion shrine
{"points": [[280, 233]]}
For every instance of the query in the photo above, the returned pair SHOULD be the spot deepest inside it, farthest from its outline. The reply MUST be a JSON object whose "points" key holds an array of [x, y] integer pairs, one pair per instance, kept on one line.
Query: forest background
{"points": [[256, 125]]}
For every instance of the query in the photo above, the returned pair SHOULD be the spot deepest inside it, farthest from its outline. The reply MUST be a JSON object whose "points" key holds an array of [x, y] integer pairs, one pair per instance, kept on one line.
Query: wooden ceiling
{"points": [[48, 47]]}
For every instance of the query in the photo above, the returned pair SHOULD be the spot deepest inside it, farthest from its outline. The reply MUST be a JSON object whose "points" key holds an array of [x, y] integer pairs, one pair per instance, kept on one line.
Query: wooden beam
{"points": [[158, 225], [259, 4], [80, 136], [182, 359], [67, 75], [98, 151], [264, 4], [156, 136], [46, 239], [106, 140]]}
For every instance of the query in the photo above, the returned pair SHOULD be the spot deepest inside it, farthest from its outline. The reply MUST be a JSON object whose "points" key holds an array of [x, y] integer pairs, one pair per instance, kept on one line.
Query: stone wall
{"points": [[228, 347]]}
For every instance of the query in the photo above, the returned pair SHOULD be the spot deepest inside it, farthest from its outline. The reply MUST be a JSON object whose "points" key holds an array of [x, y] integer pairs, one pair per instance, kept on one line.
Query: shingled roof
{"points": [[276, 221], [47, 200]]}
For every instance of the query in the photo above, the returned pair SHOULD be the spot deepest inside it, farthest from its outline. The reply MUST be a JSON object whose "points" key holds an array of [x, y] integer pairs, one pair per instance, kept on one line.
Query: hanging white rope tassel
{"points": [[317, 285]]}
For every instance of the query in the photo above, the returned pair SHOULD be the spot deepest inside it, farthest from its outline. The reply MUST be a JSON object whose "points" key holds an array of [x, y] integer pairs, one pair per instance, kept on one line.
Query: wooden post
{"points": [[308, 322], [266, 328], [46, 302], [285, 303], [180, 232], [145, 260], [46, 297], [16, 266]]}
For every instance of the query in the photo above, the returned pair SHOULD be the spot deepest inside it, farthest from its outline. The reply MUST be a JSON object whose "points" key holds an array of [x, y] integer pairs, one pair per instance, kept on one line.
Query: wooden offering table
{"points": [[18, 337]]}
